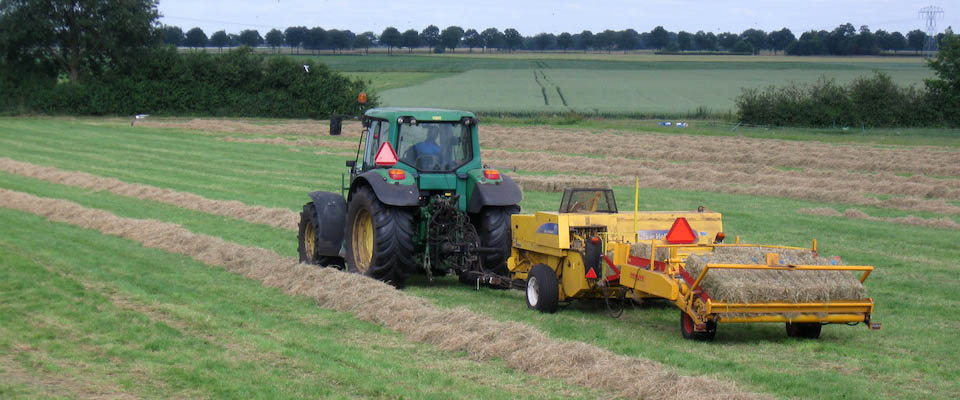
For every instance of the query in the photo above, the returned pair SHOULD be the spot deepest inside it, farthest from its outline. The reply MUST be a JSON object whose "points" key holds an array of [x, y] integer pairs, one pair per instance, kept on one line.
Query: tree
{"points": [[564, 41], [544, 41], [450, 37], [471, 39], [779, 40], [195, 38], [219, 39], [490, 36], [340, 40], [295, 36], [391, 38], [705, 41], [628, 39], [743, 46], [364, 41], [684, 40], [727, 40], [410, 39], [896, 41], [430, 36], [586, 41], [512, 39], [250, 38], [316, 38], [76, 41], [659, 38], [757, 39], [172, 35], [946, 88], [915, 40], [275, 38]]}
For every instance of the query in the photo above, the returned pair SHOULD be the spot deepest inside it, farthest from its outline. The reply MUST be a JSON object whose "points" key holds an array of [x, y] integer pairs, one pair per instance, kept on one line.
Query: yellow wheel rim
{"points": [[362, 240], [309, 242]]}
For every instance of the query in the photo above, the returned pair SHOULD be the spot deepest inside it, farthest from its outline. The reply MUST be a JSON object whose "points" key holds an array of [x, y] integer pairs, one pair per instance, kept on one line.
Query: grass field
{"points": [[609, 84], [83, 314]]}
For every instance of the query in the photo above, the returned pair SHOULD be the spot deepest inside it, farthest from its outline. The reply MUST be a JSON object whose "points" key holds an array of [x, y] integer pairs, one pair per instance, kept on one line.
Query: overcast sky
{"points": [[555, 16]]}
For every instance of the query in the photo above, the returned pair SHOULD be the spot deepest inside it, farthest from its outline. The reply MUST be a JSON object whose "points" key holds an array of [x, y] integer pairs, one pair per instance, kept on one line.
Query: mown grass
{"points": [[381, 81], [914, 356], [103, 316]]}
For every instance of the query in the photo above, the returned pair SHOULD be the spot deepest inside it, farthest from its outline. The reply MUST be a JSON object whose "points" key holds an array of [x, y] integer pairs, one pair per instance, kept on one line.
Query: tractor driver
{"points": [[427, 153]]}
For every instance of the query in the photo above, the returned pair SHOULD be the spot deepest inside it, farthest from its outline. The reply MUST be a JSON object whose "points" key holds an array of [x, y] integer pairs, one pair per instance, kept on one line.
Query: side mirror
{"points": [[351, 163], [336, 123]]}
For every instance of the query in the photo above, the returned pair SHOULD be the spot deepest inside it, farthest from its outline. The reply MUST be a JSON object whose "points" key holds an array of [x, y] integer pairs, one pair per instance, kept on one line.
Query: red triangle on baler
{"points": [[681, 232], [591, 274]]}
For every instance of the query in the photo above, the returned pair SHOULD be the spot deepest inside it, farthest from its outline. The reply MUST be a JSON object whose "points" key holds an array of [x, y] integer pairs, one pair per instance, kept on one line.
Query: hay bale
{"points": [[642, 249], [791, 286]]}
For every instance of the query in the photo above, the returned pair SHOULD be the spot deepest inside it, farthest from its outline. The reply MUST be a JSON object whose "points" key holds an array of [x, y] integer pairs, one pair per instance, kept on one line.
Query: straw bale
{"points": [[522, 347], [792, 286]]}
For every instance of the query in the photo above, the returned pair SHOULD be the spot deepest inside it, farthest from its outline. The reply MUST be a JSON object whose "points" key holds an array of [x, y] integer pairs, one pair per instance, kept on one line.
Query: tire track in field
{"points": [[522, 347], [276, 217]]}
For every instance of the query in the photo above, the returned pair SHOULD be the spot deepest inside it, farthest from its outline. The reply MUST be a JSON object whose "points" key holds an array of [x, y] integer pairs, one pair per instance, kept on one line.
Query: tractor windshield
{"points": [[435, 146]]}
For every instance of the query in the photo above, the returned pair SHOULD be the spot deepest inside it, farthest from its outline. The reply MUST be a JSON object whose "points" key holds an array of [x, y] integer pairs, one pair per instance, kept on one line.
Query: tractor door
{"points": [[376, 133]]}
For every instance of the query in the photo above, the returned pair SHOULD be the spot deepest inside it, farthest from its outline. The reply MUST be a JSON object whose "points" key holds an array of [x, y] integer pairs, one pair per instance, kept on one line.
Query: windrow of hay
{"points": [[520, 346], [276, 217], [231, 125], [328, 143], [677, 147], [769, 285], [942, 222]]}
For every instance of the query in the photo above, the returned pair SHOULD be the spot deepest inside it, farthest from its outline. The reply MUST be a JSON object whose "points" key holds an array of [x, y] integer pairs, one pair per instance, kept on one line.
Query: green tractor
{"points": [[419, 199]]}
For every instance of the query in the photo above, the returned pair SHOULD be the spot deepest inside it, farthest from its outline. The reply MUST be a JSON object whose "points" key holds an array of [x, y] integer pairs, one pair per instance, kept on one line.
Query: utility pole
{"points": [[930, 14]]}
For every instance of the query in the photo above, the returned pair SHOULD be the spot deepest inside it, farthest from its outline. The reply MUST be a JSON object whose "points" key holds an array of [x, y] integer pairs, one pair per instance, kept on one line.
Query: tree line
{"points": [[844, 40]]}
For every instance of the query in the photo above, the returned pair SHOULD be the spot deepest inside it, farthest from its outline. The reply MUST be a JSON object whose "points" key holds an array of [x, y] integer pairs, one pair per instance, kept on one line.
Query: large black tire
{"points": [[543, 289], [389, 257], [493, 227], [688, 332], [804, 330], [307, 240]]}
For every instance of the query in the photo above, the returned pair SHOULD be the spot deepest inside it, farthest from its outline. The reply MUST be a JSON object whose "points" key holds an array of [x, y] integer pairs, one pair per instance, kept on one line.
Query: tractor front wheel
{"points": [[379, 238], [543, 289]]}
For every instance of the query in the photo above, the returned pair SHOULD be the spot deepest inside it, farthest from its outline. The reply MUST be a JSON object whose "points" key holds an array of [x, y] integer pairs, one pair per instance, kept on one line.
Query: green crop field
{"points": [[83, 314], [598, 83]]}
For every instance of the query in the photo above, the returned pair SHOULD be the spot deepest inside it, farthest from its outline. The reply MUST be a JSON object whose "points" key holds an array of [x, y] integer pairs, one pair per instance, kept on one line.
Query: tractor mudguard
{"points": [[506, 193], [391, 194], [331, 216]]}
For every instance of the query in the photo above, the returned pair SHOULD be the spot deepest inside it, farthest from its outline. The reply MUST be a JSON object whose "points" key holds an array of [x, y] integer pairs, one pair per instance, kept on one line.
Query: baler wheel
{"points": [[687, 329], [804, 330], [543, 289]]}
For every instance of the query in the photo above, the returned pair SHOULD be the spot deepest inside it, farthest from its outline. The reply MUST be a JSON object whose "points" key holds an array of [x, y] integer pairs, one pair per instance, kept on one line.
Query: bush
{"points": [[161, 81], [874, 101]]}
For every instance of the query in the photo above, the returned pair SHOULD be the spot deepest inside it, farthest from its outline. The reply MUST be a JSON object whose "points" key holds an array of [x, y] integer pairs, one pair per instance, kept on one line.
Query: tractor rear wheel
{"points": [[379, 238], [543, 289], [307, 240], [687, 329], [493, 226], [804, 330]]}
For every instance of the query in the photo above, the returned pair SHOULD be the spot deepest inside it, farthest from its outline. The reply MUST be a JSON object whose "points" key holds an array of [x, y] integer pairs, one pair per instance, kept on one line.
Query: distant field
{"points": [[598, 83]]}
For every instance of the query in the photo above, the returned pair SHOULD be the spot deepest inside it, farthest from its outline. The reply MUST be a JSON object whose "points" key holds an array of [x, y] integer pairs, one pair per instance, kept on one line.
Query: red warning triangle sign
{"points": [[681, 232], [385, 156], [591, 274]]}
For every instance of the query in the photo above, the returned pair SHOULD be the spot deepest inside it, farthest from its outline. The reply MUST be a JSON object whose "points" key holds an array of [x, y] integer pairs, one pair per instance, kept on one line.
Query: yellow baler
{"points": [[584, 251]]}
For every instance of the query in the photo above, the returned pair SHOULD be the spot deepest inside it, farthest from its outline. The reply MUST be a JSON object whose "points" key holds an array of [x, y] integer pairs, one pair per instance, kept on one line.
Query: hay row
{"points": [[926, 160], [520, 346], [942, 222], [276, 217], [672, 177], [286, 127], [753, 286]]}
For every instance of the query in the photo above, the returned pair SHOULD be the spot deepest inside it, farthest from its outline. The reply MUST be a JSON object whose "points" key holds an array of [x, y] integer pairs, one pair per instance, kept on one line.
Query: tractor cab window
{"points": [[375, 135], [435, 146]]}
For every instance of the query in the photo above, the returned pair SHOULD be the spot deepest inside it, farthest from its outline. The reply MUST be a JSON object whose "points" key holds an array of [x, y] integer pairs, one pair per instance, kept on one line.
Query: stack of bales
{"points": [[766, 285]]}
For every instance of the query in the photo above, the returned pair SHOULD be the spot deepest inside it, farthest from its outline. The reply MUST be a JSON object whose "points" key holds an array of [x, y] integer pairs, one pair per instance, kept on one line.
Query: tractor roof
{"points": [[422, 114]]}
